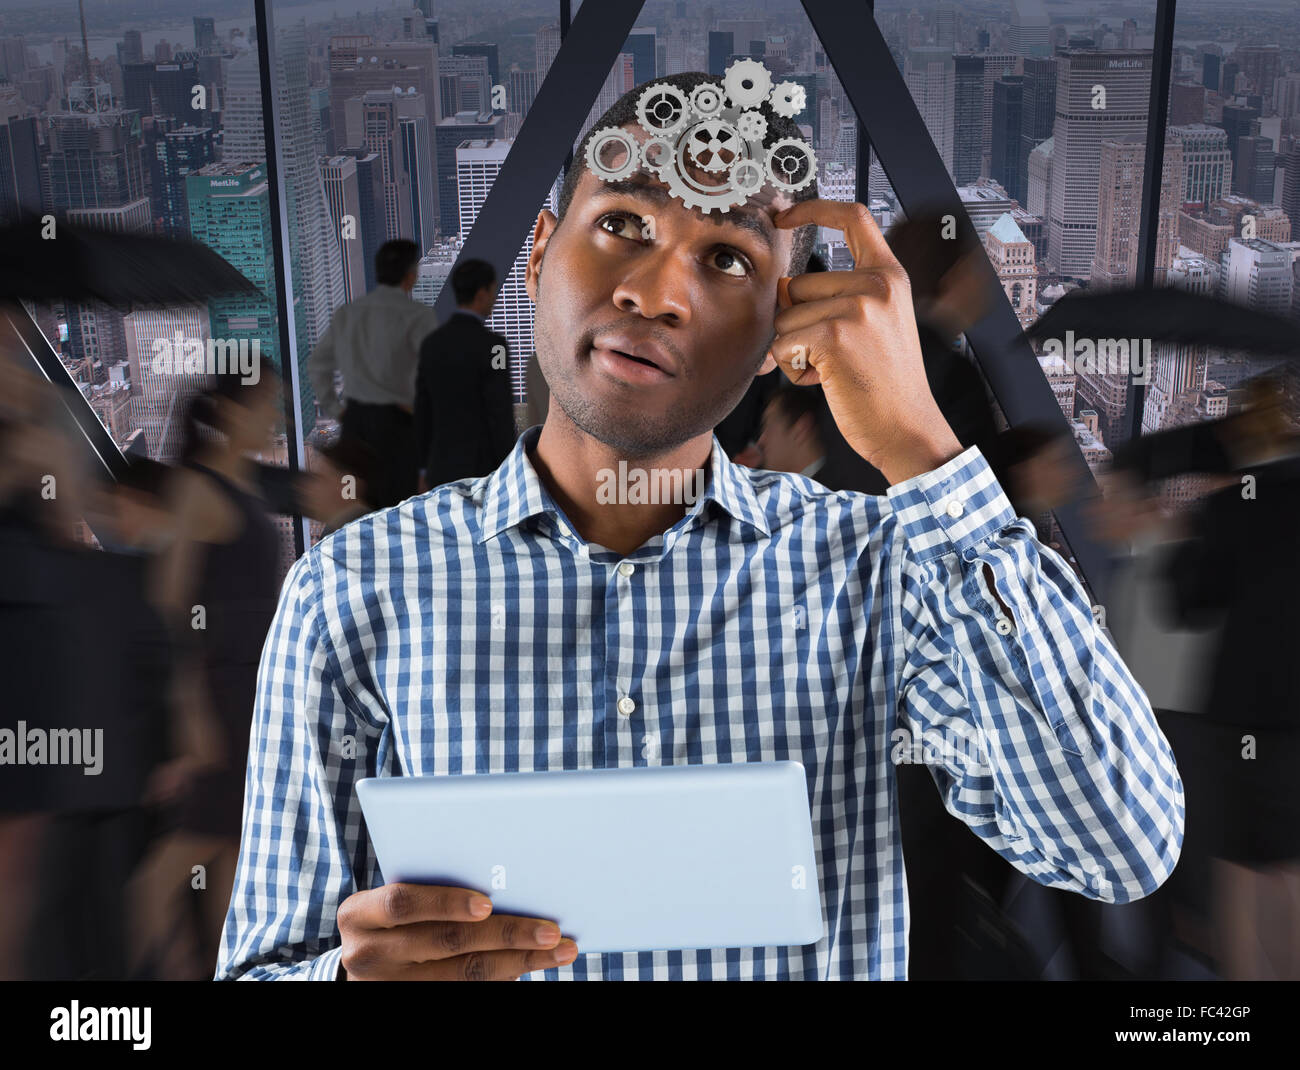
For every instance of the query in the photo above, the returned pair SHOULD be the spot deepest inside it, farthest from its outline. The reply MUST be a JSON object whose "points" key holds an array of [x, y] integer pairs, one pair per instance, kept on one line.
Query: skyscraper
{"points": [[159, 399], [1119, 210], [467, 126], [1028, 35], [1255, 173], [176, 154], [20, 160], [417, 161], [546, 46], [1207, 162], [343, 197], [373, 123], [929, 72], [477, 164], [487, 51], [641, 46], [1006, 164], [1081, 126], [968, 118], [721, 46]]}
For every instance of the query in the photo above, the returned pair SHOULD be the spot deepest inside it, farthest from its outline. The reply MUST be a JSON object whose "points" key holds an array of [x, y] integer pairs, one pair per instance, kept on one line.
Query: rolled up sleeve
{"points": [[1036, 733]]}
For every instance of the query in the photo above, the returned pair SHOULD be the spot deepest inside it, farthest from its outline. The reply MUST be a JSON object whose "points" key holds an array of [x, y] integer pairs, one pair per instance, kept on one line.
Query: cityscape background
{"points": [[395, 119]]}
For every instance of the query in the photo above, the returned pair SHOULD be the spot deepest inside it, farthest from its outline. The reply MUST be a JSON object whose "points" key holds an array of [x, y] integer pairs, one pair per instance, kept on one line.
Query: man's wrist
{"points": [[919, 454]]}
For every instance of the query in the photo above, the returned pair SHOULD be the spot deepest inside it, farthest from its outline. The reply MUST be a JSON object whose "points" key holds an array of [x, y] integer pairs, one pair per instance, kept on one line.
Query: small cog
{"points": [[657, 153], [713, 144], [707, 100], [747, 83], [791, 164], [663, 109], [747, 176], [788, 99], [752, 126], [603, 140]]}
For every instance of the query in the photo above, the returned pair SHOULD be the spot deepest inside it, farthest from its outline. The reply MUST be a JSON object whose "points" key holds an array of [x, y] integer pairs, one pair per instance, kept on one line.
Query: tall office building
{"points": [[640, 45], [160, 399], [357, 65], [1210, 71], [343, 198], [489, 52], [1291, 186], [619, 80], [478, 162], [370, 199], [373, 123], [166, 89], [1256, 165], [96, 170], [546, 46], [467, 126], [417, 162], [1259, 275], [522, 90], [205, 33], [1028, 33], [176, 154], [1186, 104], [1005, 162], [20, 161], [230, 212], [1207, 162], [968, 118], [241, 116], [465, 85], [929, 72], [314, 256], [1125, 78], [996, 65], [1261, 64], [1239, 120], [1119, 210], [721, 46], [1012, 257]]}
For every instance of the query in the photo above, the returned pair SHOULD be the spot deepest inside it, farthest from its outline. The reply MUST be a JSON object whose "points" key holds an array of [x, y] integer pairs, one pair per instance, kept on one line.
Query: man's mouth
{"points": [[628, 367]]}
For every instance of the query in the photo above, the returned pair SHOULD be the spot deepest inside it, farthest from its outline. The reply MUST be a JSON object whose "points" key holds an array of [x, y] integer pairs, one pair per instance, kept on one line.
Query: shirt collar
{"points": [[815, 467], [514, 492], [469, 312]]}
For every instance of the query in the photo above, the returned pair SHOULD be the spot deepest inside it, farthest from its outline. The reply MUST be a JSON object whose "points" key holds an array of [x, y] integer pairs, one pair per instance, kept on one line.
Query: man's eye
{"points": [[622, 224], [730, 263]]}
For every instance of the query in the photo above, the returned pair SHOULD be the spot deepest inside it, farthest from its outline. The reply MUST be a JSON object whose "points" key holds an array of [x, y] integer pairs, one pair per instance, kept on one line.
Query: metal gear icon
{"points": [[747, 176], [657, 153], [747, 83], [604, 139], [791, 164], [752, 126], [713, 144], [788, 99], [707, 100], [663, 109], [694, 193]]}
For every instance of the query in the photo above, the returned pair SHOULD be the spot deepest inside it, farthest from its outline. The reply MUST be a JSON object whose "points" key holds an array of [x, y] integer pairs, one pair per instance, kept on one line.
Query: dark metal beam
{"points": [[1149, 228], [546, 137], [287, 347], [857, 50], [862, 176]]}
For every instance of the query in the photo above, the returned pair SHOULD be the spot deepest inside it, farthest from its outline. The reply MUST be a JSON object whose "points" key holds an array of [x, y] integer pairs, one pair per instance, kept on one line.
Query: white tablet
{"points": [[636, 859]]}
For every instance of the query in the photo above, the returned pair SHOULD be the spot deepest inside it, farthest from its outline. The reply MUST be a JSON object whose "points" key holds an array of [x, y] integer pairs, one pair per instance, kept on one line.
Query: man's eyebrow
{"points": [[756, 222]]}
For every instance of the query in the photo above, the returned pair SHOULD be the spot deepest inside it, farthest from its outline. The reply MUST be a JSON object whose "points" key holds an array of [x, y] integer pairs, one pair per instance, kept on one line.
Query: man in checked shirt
{"points": [[518, 622]]}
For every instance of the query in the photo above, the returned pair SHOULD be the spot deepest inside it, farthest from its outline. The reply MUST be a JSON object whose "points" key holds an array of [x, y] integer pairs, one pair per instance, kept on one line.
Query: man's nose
{"points": [[656, 284]]}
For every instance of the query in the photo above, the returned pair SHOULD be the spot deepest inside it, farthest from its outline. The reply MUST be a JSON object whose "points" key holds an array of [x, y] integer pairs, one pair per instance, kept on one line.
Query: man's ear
{"points": [[542, 231], [769, 363]]}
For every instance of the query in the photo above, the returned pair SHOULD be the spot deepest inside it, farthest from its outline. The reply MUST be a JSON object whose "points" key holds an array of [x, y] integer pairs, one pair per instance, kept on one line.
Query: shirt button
{"points": [[626, 568], [955, 508], [626, 706], [1004, 626]]}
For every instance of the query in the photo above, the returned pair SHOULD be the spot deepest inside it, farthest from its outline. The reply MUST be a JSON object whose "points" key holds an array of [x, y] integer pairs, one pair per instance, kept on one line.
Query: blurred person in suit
{"points": [[464, 407], [216, 584], [374, 342]]}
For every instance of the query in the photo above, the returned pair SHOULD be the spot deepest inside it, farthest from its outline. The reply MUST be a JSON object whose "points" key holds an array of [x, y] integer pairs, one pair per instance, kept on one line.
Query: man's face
{"points": [[632, 273]]}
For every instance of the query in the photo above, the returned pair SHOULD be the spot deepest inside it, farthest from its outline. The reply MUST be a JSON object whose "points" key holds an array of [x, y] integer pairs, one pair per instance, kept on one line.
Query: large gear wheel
{"points": [[791, 164], [663, 109], [788, 99], [713, 144], [707, 100], [747, 83], [752, 126], [693, 193], [603, 139]]}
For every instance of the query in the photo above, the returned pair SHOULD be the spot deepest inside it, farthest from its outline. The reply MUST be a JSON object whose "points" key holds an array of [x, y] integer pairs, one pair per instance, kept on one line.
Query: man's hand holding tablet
{"points": [[426, 932]]}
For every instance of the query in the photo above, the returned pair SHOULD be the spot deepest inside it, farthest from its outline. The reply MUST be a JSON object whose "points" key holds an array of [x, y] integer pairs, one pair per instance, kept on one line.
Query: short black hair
{"points": [[394, 261], [921, 246], [469, 277], [623, 112]]}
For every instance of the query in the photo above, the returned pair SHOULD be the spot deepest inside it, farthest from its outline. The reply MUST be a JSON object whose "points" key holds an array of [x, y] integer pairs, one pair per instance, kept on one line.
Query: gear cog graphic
{"points": [[713, 144], [752, 126], [747, 176], [663, 109], [747, 83], [707, 100], [791, 165], [657, 153], [603, 140], [788, 99]]}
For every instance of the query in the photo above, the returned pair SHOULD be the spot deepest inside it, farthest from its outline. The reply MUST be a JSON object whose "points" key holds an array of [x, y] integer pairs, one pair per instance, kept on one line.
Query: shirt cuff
{"points": [[951, 509], [326, 967]]}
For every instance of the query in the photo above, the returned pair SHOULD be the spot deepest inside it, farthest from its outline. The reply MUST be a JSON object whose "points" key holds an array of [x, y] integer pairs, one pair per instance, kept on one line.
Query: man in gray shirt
{"points": [[375, 342]]}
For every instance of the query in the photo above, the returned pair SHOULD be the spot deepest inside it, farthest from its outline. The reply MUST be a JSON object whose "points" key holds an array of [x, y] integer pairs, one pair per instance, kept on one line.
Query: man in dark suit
{"points": [[464, 407]]}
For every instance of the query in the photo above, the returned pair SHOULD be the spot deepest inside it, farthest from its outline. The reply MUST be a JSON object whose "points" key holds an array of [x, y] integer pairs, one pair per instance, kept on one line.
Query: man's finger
{"points": [[491, 965], [403, 904], [429, 941], [821, 285], [866, 243], [812, 313]]}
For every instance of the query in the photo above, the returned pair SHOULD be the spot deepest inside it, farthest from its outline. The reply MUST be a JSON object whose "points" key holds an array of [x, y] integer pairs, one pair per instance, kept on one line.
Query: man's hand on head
{"points": [[855, 333]]}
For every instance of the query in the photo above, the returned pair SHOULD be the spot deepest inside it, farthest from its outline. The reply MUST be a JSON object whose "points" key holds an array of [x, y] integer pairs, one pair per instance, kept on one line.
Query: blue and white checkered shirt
{"points": [[471, 630]]}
